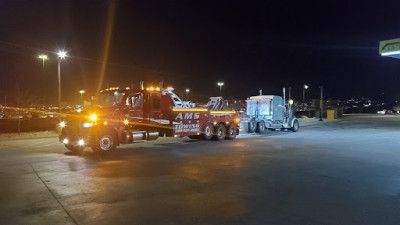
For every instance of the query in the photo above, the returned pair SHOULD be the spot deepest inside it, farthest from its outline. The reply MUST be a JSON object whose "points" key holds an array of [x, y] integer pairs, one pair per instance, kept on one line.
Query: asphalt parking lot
{"points": [[340, 172]]}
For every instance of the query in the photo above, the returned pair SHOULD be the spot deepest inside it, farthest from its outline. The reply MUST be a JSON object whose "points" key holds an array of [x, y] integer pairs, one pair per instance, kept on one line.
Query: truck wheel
{"points": [[219, 132], [207, 132], [296, 126], [104, 143], [260, 127], [231, 132], [252, 126]]}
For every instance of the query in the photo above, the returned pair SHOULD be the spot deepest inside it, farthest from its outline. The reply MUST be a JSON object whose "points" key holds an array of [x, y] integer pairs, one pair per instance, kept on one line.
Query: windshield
{"points": [[110, 98]]}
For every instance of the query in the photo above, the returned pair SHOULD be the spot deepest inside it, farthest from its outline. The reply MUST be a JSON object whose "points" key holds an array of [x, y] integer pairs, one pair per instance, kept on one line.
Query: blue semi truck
{"points": [[268, 112]]}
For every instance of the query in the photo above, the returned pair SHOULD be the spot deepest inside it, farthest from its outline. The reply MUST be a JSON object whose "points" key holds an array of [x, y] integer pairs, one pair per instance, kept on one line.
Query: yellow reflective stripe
{"points": [[223, 112], [189, 109]]}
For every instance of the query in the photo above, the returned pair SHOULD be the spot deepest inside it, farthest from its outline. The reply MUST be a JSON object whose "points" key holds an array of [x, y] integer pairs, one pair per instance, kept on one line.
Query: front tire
{"points": [[104, 143], [296, 126]]}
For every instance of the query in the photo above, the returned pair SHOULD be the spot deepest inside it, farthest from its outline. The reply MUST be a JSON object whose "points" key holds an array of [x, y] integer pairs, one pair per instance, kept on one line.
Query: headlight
{"points": [[93, 117], [81, 142], [87, 125], [62, 124]]}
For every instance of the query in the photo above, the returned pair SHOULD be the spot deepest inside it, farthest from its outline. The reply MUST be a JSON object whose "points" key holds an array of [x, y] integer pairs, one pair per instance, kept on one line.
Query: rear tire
{"points": [[296, 126], [231, 132], [260, 127], [219, 132], [207, 132], [251, 127], [104, 143]]}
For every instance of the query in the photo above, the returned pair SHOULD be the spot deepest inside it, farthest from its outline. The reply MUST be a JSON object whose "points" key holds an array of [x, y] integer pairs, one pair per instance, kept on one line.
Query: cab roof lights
{"points": [[112, 88], [153, 89]]}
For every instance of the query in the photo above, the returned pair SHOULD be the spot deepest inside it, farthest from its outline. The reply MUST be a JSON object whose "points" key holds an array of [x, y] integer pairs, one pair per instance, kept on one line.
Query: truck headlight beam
{"points": [[93, 117], [65, 141], [62, 124], [81, 142]]}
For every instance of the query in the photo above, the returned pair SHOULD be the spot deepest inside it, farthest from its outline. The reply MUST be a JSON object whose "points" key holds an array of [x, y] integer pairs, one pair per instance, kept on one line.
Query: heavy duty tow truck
{"points": [[126, 116]]}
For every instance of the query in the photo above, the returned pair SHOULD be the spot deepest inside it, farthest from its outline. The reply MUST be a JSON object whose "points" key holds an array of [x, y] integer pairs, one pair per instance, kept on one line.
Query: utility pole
{"points": [[321, 102]]}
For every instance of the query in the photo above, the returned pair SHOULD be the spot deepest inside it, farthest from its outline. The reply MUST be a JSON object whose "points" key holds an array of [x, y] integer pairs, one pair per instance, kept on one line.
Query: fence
{"points": [[28, 125]]}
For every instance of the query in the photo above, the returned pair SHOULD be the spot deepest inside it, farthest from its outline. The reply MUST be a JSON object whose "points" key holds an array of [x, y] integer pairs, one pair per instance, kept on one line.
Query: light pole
{"points": [[61, 55], [187, 94], [82, 92], [220, 84], [305, 87], [321, 102], [43, 58]]}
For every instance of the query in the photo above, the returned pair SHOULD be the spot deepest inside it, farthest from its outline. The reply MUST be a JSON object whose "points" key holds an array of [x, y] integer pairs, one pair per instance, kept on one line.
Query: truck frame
{"points": [[130, 116]]}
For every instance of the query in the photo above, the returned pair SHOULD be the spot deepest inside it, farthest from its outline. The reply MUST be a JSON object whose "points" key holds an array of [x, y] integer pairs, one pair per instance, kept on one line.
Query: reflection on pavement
{"points": [[196, 186]]}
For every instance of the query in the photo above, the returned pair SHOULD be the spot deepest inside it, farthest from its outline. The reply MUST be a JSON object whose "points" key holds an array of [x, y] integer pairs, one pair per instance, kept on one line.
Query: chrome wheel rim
{"points": [[207, 130], [220, 132], [106, 142]]}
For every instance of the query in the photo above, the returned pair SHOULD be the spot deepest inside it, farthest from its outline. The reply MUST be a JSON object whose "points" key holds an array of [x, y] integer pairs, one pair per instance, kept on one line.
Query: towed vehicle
{"points": [[269, 112]]}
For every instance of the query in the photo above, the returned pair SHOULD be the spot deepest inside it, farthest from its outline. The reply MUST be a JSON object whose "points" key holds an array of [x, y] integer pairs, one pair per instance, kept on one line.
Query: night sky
{"points": [[194, 44]]}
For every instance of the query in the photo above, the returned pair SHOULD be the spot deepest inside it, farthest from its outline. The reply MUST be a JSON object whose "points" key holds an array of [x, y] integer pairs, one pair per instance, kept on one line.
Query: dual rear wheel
{"points": [[258, 127], [219, 132]]}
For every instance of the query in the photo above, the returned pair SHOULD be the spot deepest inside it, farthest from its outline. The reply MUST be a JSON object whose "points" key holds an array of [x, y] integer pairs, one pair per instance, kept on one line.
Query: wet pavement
{"points": [[341, 172]]}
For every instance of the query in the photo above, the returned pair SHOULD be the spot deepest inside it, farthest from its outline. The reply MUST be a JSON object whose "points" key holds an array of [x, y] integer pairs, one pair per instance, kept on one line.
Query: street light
{"points": [[43, 58], [305, 87], [82, 92], [187, 93], [220, 84], [61, 55]]}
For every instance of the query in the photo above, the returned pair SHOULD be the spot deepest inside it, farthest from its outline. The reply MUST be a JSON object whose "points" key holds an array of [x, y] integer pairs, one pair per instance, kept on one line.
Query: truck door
{"points": [[155, 110], [134, 102]]}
